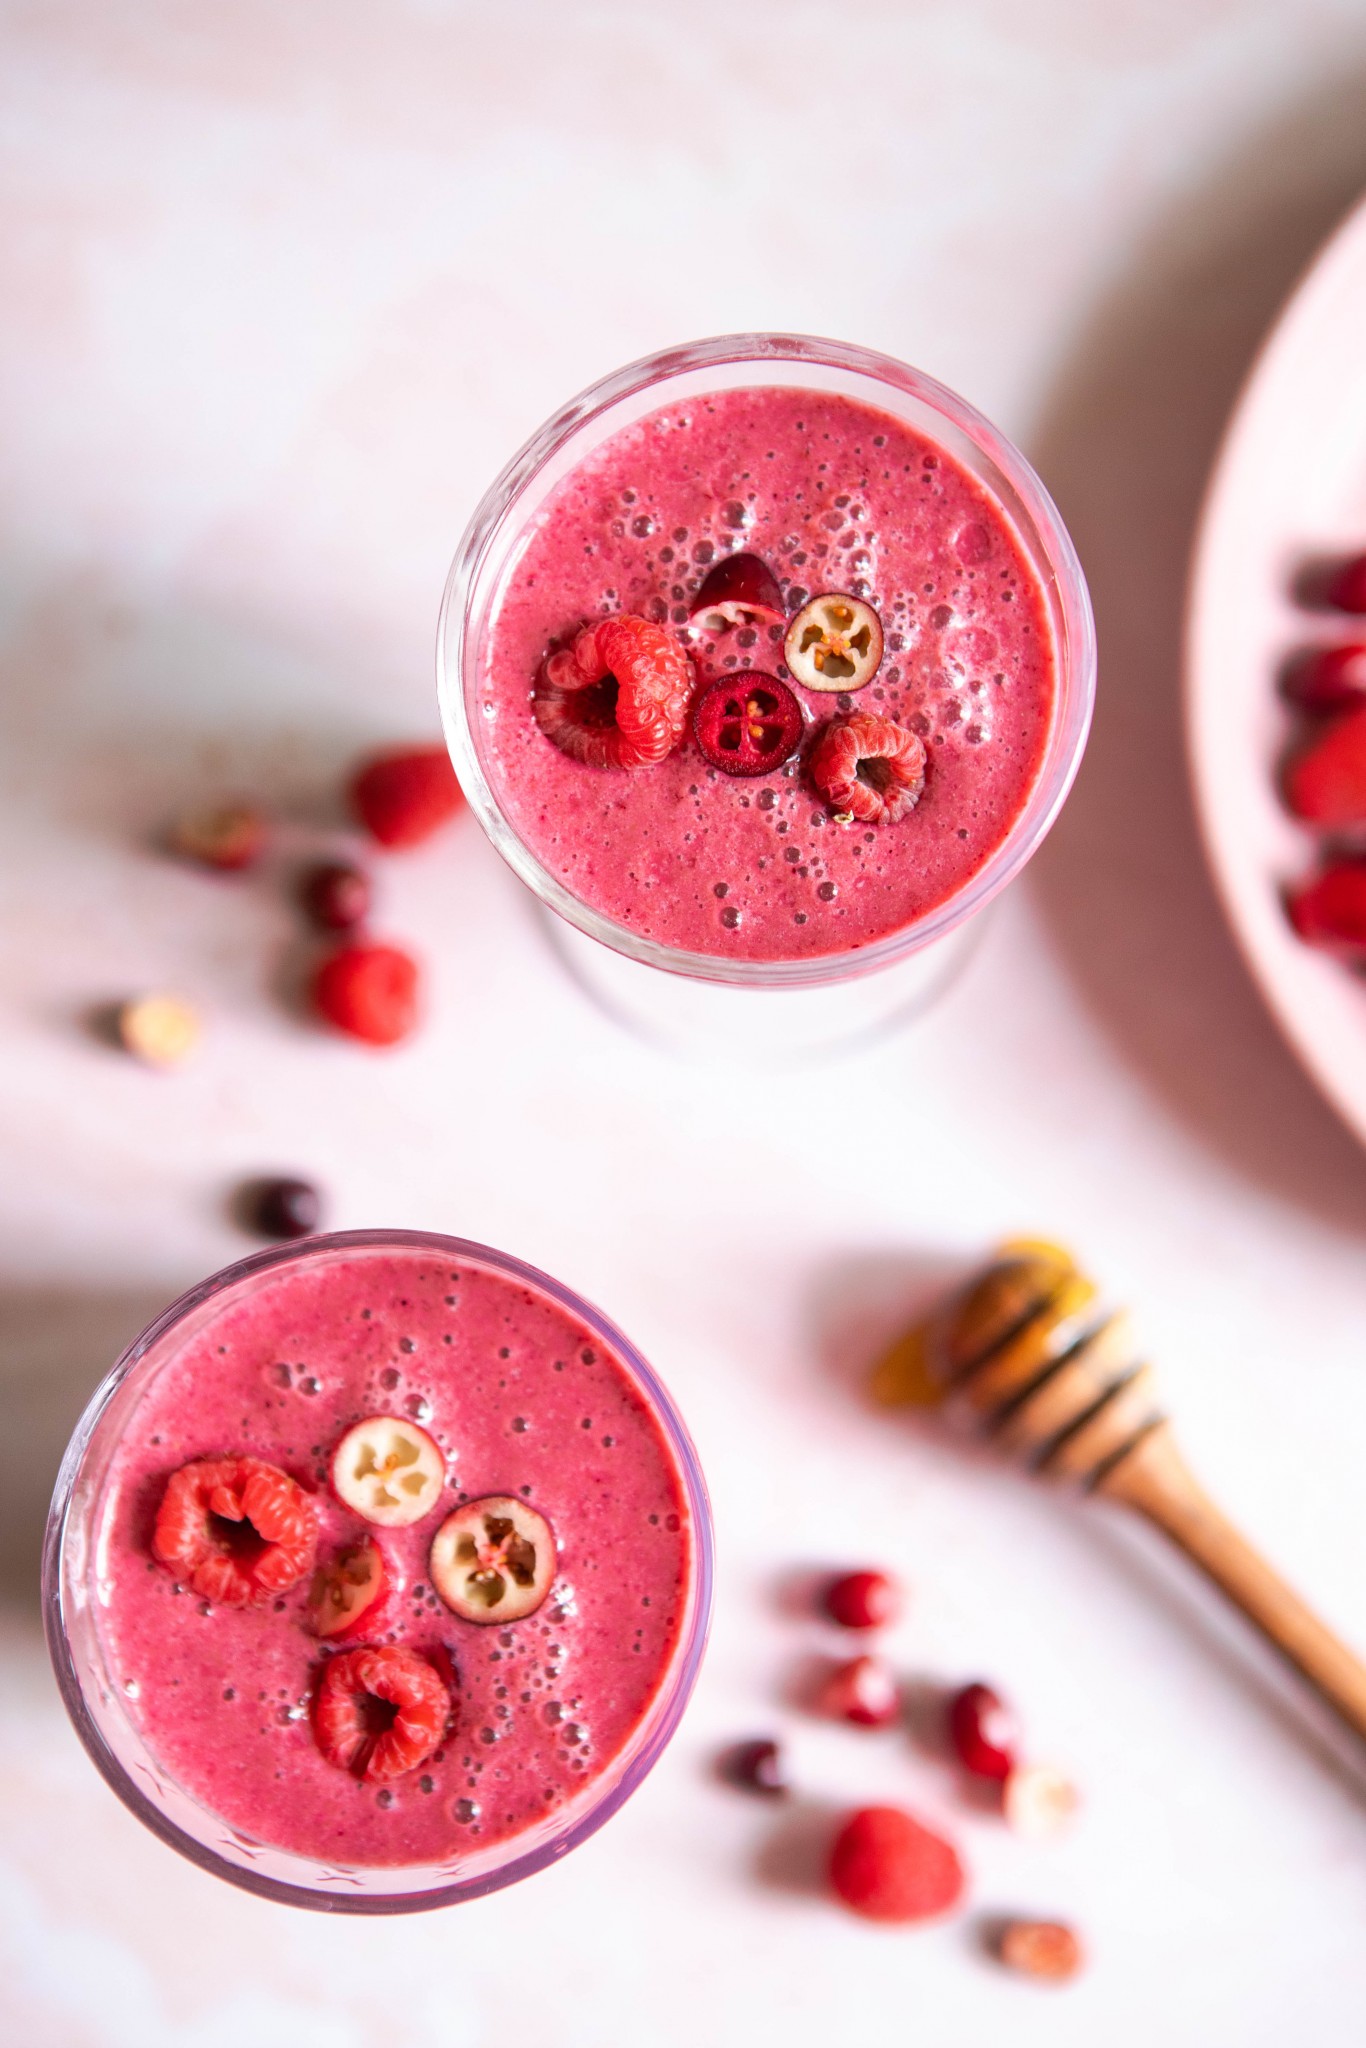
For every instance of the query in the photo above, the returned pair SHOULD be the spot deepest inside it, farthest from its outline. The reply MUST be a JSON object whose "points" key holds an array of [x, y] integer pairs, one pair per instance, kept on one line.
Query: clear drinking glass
{"points": [[697, 1000], [72, 1592]]}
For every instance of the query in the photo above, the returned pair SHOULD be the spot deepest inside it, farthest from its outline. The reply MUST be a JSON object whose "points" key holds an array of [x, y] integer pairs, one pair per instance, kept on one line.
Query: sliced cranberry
{"points": [[1347, 586], [862, 1691], [1328, 678], [755, 1766], [739, 590], [982, 1731], [863, 1600], [834, 643], [747, 724]]}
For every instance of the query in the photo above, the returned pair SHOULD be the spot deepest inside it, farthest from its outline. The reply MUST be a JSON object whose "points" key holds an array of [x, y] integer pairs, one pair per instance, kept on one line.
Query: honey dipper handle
{"points": [[1154, 1478]]}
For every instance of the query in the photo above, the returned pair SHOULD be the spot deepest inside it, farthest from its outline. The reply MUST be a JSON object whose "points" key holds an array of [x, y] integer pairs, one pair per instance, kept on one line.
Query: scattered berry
{"points": [[403, 797], [336, 895], [755, 1767], [1040, 1948], [1330, 910], [983, 1732], [388, 1472], [227, 836], [834, 643], [159, 1030], [379, 1712], [236, 1530], [493, 1560], [862, 1691], [1328, 678], [369, 992], [348, 1591], [739, 590], [1038, 1800], [1326, 783], [863, 1600], [747, 724], [282, 1208], [618, 696], [886, 1866], [869, 767], [1347, 586]]}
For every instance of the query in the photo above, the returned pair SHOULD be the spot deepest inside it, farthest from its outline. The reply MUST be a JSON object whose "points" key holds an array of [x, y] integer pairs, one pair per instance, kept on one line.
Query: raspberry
{"points": [[888, 1867], [616, 698], [370, 992], [868, 767], [1326, 784], [863, 1600], [379, 1712], [403, 797], [236, 1530]]}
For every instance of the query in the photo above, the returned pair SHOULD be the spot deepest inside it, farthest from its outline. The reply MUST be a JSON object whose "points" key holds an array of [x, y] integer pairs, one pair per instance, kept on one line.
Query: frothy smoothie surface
{"points": [[833, 496], [524, 1401]]}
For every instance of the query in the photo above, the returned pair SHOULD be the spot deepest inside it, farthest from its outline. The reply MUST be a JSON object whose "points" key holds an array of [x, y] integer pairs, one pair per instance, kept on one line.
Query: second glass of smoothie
{"points": [[763, 892]]}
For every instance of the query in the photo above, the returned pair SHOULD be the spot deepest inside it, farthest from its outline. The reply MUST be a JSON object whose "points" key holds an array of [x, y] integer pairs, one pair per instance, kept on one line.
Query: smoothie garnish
{"points": [[236, 1530], [402, 798], [226, 836], [347, 1591], [885, 1865], [493, 1560], [379, 1712], [834, 643], [866, 1599], [747, 724], [617, 697], [388, 1471], [739, 590], [983, 1732], [869, 767], [369, 992], [862, 1691]]}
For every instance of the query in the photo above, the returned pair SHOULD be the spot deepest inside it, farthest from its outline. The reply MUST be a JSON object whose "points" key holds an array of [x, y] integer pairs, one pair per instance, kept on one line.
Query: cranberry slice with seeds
{"points": [[739, 590], [834, 643], [869, 768], [493, 1560], [747, 724], [348, 1591]]}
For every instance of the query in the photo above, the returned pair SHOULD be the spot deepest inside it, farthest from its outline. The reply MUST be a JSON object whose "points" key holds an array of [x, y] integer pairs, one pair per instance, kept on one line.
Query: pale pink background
{"points": [[281, 287]]}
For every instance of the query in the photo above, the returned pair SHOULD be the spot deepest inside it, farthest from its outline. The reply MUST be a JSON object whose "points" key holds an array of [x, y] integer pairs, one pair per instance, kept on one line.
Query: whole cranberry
{"points": [[336, 895], [863, 1600], [983, 1732]]}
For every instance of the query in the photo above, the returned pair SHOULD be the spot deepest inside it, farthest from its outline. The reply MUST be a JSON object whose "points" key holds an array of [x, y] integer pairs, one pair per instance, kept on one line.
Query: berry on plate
{"points": [[348, 1591], [1325, 784], [834, 643], [369, 992], [1330, 909], [227, 836], [863, 1599], [379, 1712], [1347, 586], [388, 1471], [755, 1766], [403, 797], [283, 1207], [983, 1732], [161, 1031], [886, 1866], [1328, 678], [235, 1530], [1038, 1800], [336, 895], [617, 697], [869, 767], [747, 724], [739, 590], [862, 1691], [493, 1560], [1046, 1949]]}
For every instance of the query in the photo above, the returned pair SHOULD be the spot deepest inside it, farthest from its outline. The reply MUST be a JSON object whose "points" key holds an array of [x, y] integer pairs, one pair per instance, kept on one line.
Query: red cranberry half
{"points": [[739, 590], [983, 1733], [1347, 586], [863, 1600], [1329, 678], [747, 724], [336, 895]]}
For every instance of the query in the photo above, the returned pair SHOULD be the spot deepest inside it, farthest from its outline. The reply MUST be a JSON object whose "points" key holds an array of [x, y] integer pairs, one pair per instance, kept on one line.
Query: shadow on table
{"points": [[1126, 445], [55, 1346]]}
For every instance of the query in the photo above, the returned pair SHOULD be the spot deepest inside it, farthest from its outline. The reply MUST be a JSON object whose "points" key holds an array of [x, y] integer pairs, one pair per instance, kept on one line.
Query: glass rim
{"points": [[661, 1717], [457, 652]]}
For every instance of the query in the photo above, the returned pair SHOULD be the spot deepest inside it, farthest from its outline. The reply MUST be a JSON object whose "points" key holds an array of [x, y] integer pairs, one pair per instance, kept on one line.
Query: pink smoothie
{"points": [[833, 496], [524, 1400]]}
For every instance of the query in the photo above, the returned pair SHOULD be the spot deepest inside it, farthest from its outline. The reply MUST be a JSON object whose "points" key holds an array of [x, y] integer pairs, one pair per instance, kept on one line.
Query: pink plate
{"points": [[1289, 486]]}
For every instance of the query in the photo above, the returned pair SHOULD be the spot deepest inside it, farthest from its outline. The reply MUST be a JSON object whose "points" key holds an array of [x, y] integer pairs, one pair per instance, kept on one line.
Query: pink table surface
{"points": [[281, 289]]}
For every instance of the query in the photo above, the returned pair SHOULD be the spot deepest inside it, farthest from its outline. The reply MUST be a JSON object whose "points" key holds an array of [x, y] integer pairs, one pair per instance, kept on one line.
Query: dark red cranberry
{"points": [[862, 1691], [336, 895], [982, 1730], [755, 1767], [863, 1600], [1347, 586], [1330, 909], [747, 724], [283, 1208], [739, 590], [1328, 678]]}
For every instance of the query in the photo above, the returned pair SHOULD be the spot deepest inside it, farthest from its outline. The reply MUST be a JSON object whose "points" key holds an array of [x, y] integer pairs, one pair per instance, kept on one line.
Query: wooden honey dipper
{"points": [[1026, 1356]]}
